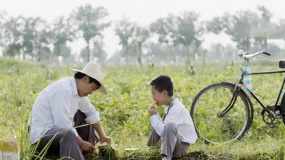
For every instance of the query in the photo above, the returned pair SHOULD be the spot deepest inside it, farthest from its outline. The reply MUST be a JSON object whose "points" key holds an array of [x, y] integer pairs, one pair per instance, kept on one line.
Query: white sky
{"points": [[141, 11]]}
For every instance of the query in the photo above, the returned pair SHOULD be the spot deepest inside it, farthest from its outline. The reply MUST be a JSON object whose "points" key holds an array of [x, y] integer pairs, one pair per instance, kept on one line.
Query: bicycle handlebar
{"points": [[248, 55]]}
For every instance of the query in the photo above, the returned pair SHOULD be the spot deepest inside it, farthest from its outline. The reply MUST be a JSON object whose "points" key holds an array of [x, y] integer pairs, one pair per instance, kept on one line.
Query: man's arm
{"points": [[93, 117], [99, 129]]}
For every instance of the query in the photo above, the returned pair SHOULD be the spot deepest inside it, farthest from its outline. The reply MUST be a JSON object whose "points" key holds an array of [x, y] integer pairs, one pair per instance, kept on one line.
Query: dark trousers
{"points": [[87, 133], [63, 142]]}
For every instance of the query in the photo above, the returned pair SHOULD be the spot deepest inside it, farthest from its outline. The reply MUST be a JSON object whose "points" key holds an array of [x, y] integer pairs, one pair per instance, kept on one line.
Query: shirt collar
{"points": [[172, 102], [74, 87]]}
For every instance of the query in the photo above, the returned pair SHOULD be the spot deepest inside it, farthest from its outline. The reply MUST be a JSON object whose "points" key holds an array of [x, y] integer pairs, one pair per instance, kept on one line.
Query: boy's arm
{"points": [[158, 125], [156, 121]]}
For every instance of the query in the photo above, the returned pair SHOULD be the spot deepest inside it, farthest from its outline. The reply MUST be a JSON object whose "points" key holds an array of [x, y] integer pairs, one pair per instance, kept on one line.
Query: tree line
{"points": [[168, 40]]}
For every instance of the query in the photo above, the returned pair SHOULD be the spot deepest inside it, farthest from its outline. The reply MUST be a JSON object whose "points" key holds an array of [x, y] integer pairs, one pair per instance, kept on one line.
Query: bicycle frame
{"points": [[255, 97], [238, 87]]}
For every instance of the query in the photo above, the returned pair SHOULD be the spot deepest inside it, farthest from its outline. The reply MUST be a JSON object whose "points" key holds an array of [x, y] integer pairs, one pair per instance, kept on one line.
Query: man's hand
{"points": [[103, 138], [152, 110], [106, 139], [84, 145]]}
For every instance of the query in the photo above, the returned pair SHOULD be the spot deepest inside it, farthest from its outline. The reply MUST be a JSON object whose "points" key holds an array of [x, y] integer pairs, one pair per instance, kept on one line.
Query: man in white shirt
{"points": [[176, 127], [52, 115]]}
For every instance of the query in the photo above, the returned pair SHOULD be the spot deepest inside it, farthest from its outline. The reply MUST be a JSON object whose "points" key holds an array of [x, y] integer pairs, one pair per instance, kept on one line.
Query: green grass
{"points": [[124, 110]]}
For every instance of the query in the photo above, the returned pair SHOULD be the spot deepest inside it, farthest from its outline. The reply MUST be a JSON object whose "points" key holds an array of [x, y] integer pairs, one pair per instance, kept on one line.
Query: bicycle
{"points": [[230, 110]]}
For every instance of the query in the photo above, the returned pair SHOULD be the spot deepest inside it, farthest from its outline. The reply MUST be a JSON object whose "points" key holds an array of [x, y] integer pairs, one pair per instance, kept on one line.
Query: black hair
{"points": [[162, 83], [80, 75]]}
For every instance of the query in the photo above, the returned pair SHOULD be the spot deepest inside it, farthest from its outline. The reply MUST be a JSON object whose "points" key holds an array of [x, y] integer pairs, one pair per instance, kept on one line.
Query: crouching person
{"points": [[61, 106], [176, 128]]}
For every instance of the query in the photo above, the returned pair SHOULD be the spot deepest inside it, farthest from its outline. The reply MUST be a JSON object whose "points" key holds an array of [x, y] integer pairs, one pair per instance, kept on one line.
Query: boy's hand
{"points": [[152, 110]]}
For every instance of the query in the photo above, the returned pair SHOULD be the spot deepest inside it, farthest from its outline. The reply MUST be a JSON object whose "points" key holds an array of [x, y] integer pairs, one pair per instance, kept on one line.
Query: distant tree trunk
{"points": [[39, 53], [58, 52], [24, 56], [174, 56], [125, 48], [265, 43], [88, 52], [204, 52], [51, 57], [139, 59], [139, 54], [188, 56], [40, 56]]}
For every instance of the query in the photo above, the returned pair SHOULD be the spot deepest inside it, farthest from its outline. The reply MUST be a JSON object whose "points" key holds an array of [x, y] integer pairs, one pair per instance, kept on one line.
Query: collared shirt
{"points": [[56, 106], [179, 115]]}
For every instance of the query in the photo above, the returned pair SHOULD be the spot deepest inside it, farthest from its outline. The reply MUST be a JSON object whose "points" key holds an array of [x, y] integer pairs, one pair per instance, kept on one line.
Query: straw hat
{"points": [[95, 71]]}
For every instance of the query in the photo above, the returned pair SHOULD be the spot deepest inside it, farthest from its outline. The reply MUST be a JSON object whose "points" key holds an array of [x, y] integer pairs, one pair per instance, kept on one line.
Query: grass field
{"points": [[124, 110]]}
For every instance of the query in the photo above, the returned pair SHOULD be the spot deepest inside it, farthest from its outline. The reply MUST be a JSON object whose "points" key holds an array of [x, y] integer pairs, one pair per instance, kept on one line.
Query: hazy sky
{"points": [[141, 11]]}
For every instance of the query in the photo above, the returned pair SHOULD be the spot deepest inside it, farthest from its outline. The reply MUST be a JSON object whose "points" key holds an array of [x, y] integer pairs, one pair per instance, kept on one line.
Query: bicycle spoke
{"points": [[233, 117]]}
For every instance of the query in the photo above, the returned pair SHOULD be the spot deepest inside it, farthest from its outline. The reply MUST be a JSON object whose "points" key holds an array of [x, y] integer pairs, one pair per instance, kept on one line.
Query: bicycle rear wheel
{"points": [[207, 107]]}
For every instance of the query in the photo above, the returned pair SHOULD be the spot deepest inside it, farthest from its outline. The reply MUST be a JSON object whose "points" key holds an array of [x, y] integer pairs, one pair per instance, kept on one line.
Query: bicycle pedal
{"points": [[279, 116], [272, 125]]}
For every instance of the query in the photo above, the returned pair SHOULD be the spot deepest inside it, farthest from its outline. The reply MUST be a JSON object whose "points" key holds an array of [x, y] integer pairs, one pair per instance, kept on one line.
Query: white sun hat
{"points": [[95, 71]]}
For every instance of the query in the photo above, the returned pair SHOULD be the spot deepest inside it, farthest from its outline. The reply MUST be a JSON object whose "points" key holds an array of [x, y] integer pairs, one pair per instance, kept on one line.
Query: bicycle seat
{"points": [[281, 63]]}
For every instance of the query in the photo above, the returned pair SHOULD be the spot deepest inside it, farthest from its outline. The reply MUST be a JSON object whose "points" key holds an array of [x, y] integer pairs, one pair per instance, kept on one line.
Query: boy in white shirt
{"points": [[176, 127]]}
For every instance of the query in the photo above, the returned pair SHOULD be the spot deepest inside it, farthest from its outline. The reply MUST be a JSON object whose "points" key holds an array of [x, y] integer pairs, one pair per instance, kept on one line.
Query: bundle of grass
{"points": [[107, 152]]}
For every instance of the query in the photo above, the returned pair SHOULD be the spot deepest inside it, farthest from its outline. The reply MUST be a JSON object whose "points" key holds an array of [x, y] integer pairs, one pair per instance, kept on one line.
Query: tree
{"points": [[2, 19], [265, 28], [158, 54], [174, 30], [66, 54], [62, 32], [99, 52], [89, 23], [238, 26], [30, 35], [12, 36], [83, 54], [115, 59], [166, 29], [248, 29], [218, 52], [188, 33], [140, 36], [44, 38], [125, 30], [279, 31]]}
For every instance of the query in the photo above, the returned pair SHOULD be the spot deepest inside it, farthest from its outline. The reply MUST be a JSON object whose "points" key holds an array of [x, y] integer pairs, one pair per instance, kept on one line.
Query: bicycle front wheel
{"points": [[213, 122]]}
